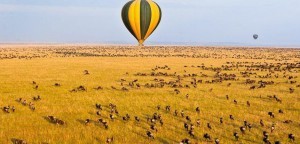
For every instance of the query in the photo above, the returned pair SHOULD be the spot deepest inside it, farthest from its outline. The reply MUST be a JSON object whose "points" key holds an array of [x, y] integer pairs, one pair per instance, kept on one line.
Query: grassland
{"points": [[107, 65]]}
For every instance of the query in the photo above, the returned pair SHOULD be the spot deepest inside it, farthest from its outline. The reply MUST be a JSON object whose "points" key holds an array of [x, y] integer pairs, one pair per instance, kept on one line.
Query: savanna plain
{"points": [[155, 94]]}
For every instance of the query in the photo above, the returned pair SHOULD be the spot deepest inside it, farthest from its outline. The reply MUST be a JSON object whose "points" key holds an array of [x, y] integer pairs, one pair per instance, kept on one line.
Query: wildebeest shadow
{"points": [[81, 121], [141, 135], [166, 140], [98, 140]]}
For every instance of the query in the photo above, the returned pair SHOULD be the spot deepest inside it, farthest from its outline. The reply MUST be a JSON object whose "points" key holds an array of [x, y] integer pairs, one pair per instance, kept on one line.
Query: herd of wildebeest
{"points": [[50, 51], [285, 64]]}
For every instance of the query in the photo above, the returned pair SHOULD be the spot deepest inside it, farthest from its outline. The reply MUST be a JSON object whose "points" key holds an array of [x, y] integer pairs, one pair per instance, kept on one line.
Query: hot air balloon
{"points": [[255, 36], [141, 18]]}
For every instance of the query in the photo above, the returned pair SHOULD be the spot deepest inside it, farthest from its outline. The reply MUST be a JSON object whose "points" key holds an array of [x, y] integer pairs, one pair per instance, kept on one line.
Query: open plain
{"points": [[156, 94]]}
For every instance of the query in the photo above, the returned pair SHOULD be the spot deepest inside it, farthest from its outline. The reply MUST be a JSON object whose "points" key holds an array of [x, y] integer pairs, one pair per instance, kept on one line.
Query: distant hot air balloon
{"points": [[255, 36], [141, 18]]}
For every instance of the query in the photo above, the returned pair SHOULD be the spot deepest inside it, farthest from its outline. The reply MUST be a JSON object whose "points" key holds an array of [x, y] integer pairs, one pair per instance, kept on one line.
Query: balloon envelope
{"points": [[255, 36], [141, 18]]}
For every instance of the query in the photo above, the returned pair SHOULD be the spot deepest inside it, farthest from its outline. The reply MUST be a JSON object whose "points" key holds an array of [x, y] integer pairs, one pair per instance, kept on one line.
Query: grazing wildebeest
{"points": [[198, 110], [186, 126], [18, 141], [6, 109], [291, 90], [191, 133], [13, 108], [265, 134], [266, 140], [153, 127], [105, 124], [188, 118], [158, 107], [243, 129], [161, 122], [168, 108], [287, 121], [60, 122], [248, 103], [86, 72], [249, 126], [149, 134], [206, 136], [209, 126], [98, 113], [57, 84], [271, 114], [235, 101], [185, 141], [231, 117], [280, 111], [217, 141], [137, 119], [198, 122], [261, 123], [24, 102], [182, 113], [272, 127], [37, 98], [175, 112], [112, 117], [277, 142], [236, 135], [292, 137], [51, 118], [87, 121], [98, 106], [109, 140]]}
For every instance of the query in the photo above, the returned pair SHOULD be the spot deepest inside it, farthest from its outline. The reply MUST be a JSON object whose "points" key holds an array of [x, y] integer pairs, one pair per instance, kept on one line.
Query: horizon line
{"points": [[183, 44]]}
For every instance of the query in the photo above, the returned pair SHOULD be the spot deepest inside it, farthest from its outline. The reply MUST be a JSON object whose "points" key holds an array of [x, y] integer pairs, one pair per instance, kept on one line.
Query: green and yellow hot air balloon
{"points": [[141, 18]]}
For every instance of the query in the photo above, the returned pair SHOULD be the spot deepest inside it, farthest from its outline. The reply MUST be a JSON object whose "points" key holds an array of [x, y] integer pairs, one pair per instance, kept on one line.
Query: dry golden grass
{"points": [[47, 65]]}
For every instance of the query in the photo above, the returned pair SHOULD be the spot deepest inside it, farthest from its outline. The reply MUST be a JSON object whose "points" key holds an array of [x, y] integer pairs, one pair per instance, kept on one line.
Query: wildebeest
{"points": [[243, 129], [236, 135], [150, 135], [185, 141], [261, 123], [198, 110], [271, 114], [291, 137], [217, 141], [206, 136], [18, 141], [109, 140], [191, 133]]}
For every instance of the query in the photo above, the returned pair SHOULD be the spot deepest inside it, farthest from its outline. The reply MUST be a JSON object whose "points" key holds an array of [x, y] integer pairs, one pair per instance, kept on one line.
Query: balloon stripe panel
{"points": [[145, 17], [160, 14], [155, 18], [131, 15], [137, 18], [125, 18]]}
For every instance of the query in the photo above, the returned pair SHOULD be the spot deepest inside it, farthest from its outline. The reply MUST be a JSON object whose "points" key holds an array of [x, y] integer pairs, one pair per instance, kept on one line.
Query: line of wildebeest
{"points": [[49, 51], [162, 76]]}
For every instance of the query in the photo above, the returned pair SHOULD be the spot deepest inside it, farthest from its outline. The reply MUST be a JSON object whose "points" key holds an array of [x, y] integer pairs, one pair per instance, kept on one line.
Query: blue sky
{"points": [[276, 22]]}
